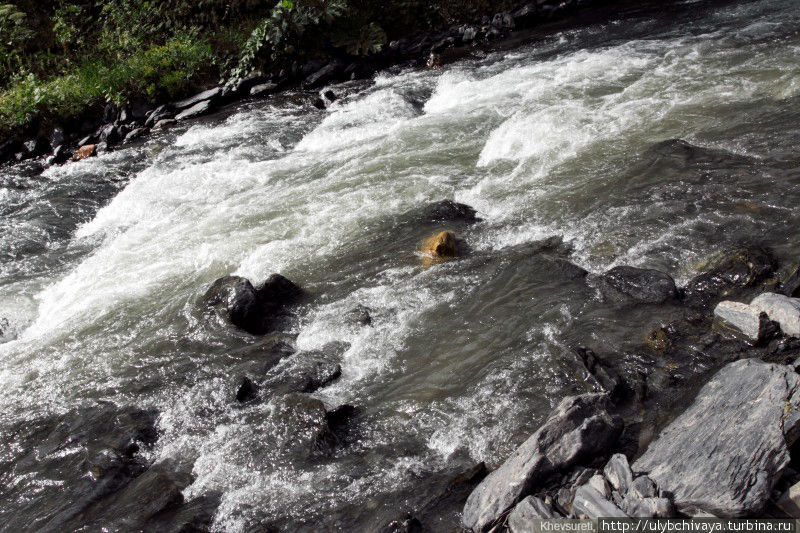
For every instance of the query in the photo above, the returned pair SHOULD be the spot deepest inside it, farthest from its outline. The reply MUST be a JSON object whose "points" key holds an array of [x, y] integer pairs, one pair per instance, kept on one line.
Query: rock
{"points": [[503, 21], [599, 483], [84, 152], [247, 391], [588, 503], [724, 454], [56, 138], [302, 426], [789, 502], [205, 96], [647, 507], [256, 310], [109, 134], [447, 211], [199, 109], [319, 103], [322, 76], [623, 284], [737, 269], [237, 299], [8, 148], [742, 320], [579, 429], [59, 155], [607, 379], [658, 339], [89, 139], [135, 134], [160, 113], [781, 309], [330, 96], [263, 89], [165, 123], [140, 110], [409, 524], [340, 420], [791, 287], [643, 487], [440, 246], [359, 315], [618, 473], [531, 508], [310, 371], [470, 34]]}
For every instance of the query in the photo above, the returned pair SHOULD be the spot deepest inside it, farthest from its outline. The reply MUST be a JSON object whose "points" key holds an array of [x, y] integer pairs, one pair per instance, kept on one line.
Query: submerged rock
{"points": [[738, 269], [625, 284], [309, 371], [725, 453], [580, 429], [447, 211], [440, 246], [781, 309], [301, 426], [359, 315]]}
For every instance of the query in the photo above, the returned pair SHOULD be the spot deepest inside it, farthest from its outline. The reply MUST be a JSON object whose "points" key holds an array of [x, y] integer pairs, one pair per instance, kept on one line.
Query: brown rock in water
{"points": [[440, 246], [85, 151]]}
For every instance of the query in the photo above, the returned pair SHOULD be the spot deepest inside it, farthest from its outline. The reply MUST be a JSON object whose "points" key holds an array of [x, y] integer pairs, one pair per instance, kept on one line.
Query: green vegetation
{"points": [[63, 58]]}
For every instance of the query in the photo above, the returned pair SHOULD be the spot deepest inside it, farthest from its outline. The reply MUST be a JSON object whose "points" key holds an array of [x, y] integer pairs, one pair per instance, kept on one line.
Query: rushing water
{"points": [[103, 262]]}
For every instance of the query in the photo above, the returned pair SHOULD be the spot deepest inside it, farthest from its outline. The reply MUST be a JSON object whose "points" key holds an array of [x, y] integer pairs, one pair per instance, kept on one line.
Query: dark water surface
{"points": [[102, 262]]}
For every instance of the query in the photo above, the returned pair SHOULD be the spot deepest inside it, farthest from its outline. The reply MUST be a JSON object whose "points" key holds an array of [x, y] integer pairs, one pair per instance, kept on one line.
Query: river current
{"points": [[102, 262]]}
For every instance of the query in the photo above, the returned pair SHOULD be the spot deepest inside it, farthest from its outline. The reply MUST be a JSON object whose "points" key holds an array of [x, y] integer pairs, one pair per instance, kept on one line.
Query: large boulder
{"points": [[206, 96], [736, 270], [198, 109], [440, 246], [447, 211], [256, 310], [726, 451], [580, 429], [624, 284]]}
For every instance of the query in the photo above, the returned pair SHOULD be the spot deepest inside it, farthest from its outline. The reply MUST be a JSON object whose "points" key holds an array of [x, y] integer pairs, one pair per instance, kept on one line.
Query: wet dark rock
{"points": [[110, 113], [247, 390], [256, 310], [470, 34], [736, 270], [406, 525], [8, 148], [503, 21], [330, 96], [521, 519], [625, 284], [136, 134], [302, 426], [56, 138], [197, 110], [606, 377], [59, 155], [324, 75], [447, 211], [165, 124], [360, 315], [92, 452], [791, 287], [581, 428], [525, 14], [309, 371], [340, 420], [109, 134], [192, 101], [160, 113], [139, 110], [319, 103], [748, 415], [263, 89]]}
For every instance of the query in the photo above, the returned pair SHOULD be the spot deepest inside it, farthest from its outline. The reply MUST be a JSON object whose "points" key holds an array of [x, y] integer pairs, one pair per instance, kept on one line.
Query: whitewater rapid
{"points": [[549, 139]]}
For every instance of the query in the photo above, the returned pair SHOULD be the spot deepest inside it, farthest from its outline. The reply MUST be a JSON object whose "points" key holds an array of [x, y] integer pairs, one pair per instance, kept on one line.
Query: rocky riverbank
{"points": [[119, 126]]}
